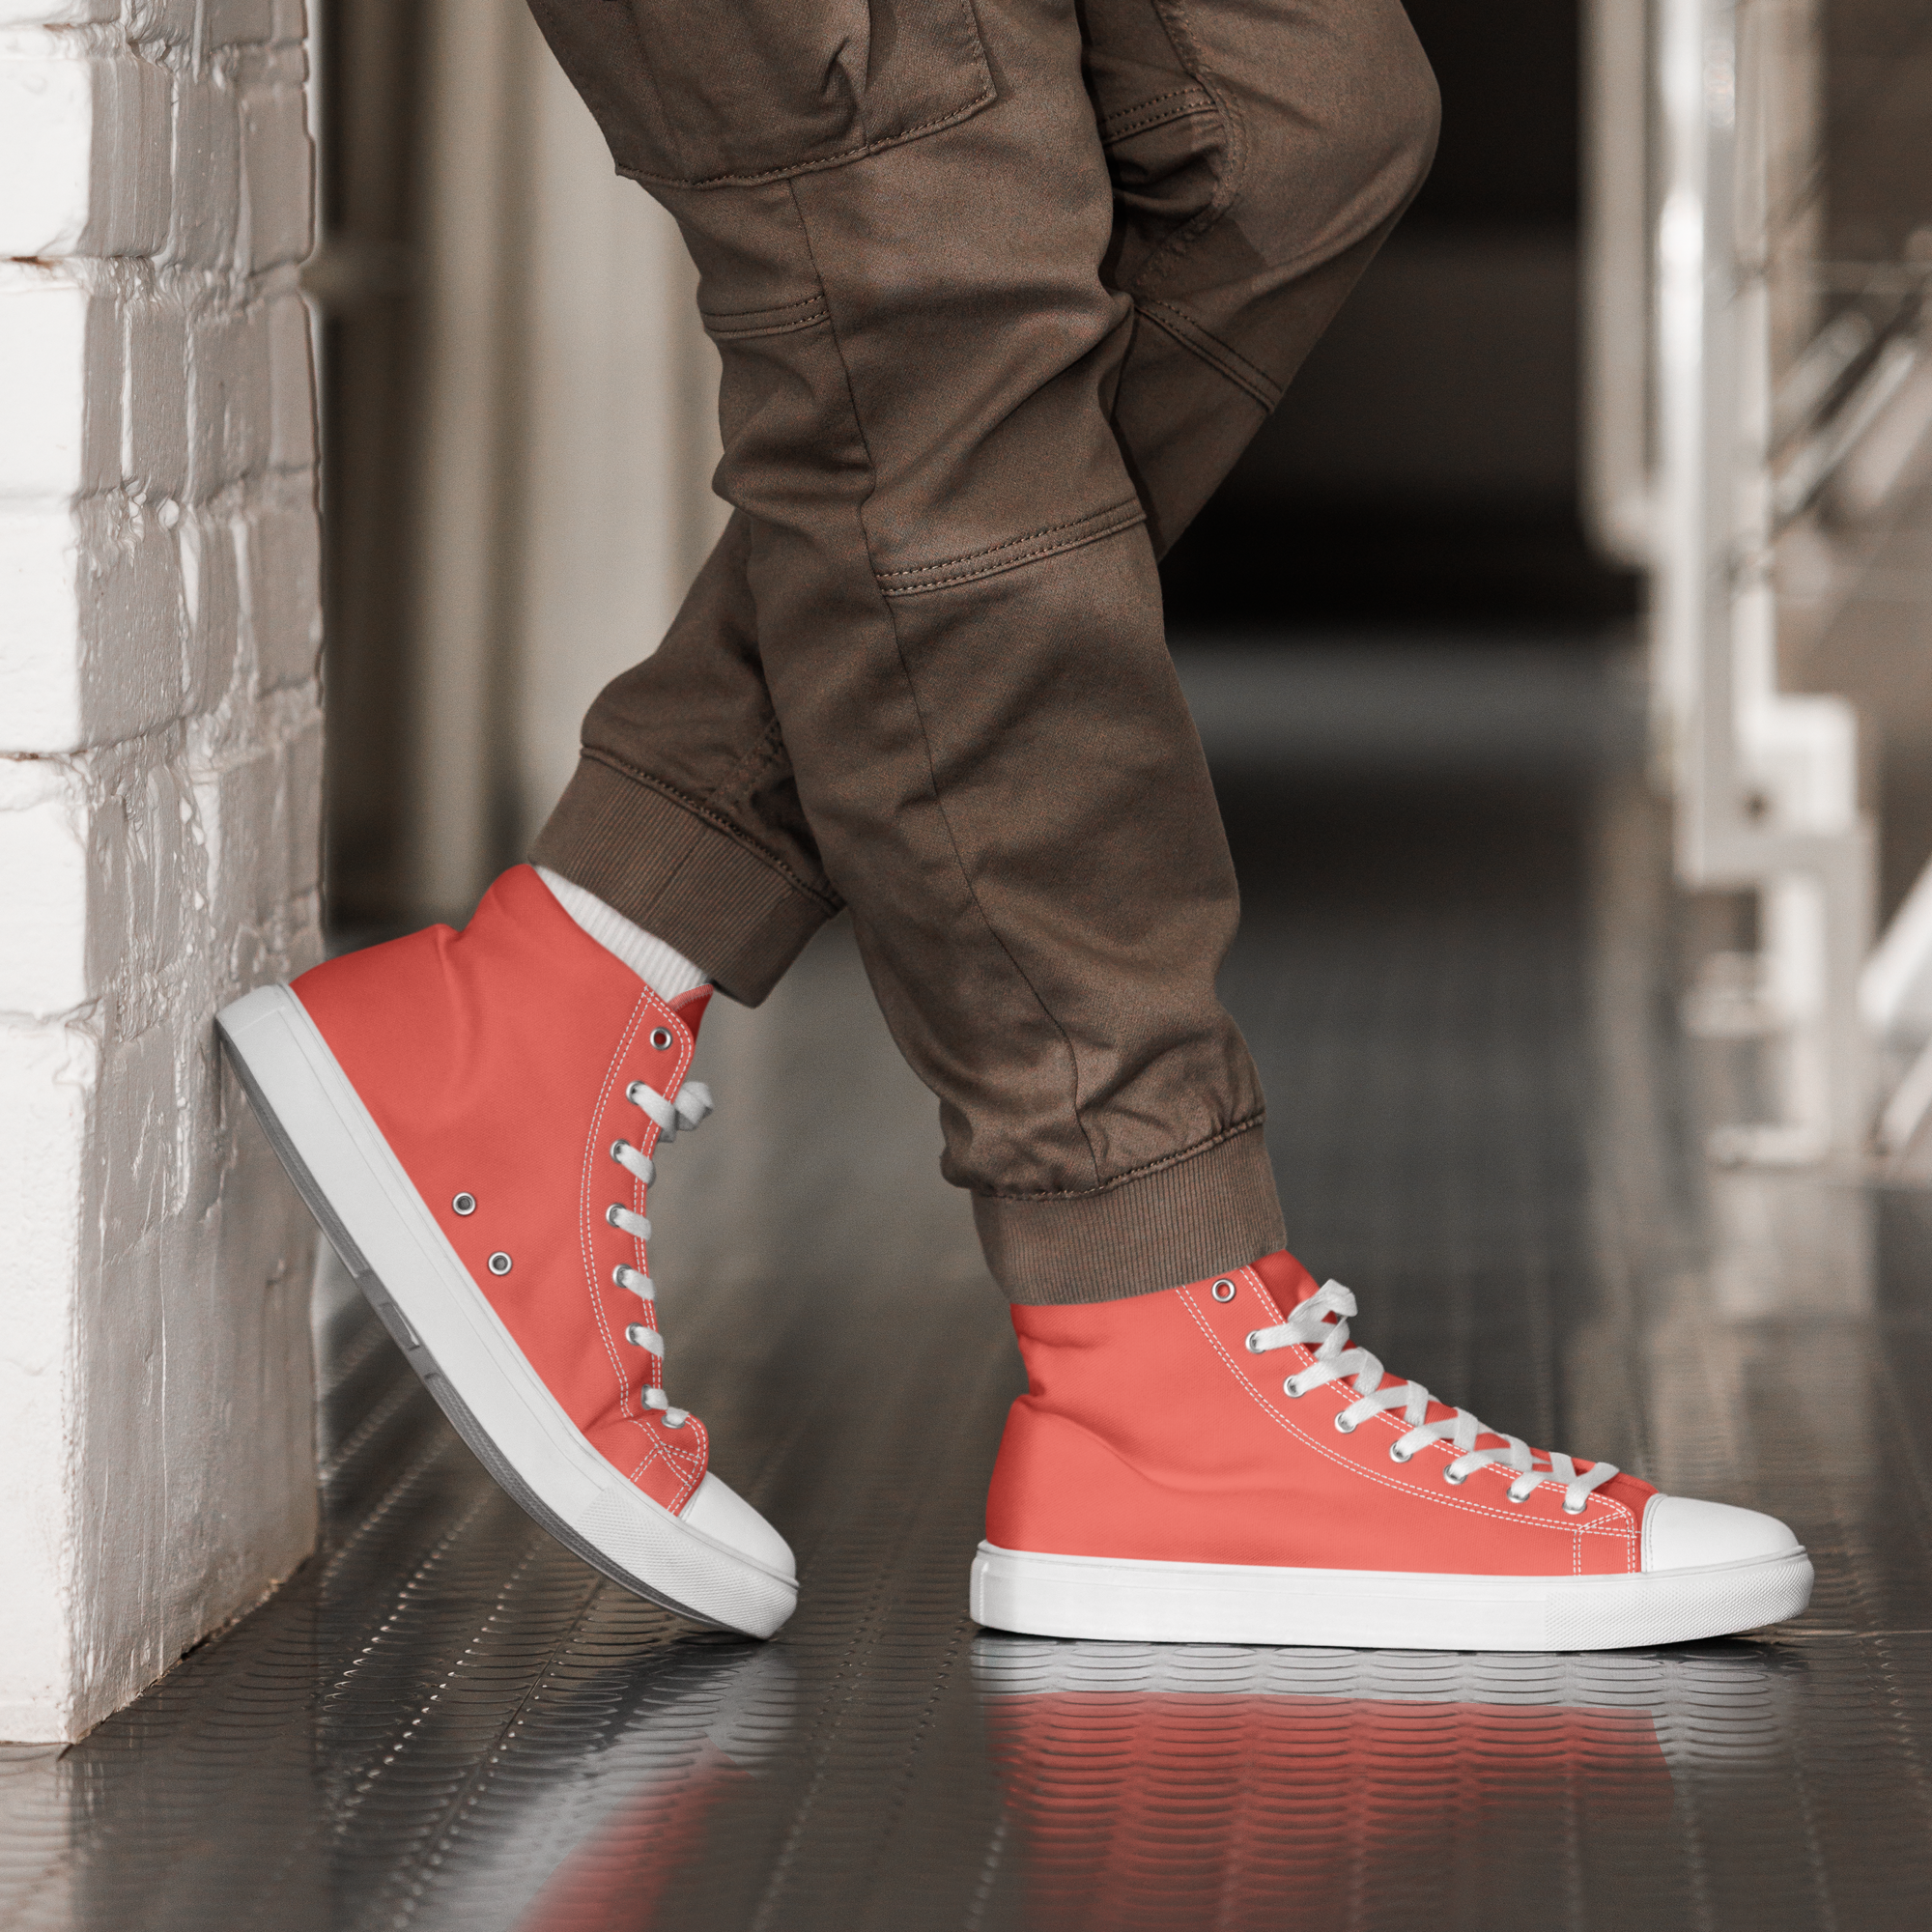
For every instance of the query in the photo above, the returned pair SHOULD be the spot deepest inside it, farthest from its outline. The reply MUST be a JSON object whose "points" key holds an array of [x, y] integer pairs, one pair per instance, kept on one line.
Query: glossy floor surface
{"points": [[1459, 970]]}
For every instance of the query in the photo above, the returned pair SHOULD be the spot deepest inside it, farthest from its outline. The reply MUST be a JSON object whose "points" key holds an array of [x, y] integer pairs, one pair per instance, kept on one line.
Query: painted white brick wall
{"points": [[159, 784]]}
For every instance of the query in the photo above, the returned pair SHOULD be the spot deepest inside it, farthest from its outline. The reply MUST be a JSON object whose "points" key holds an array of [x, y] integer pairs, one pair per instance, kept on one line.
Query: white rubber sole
{"points": [[1379, 1610], [388, 1241]]}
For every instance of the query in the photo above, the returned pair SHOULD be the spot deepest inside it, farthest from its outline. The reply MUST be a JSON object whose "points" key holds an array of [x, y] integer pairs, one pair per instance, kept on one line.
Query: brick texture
{"points": [[159, 779]]}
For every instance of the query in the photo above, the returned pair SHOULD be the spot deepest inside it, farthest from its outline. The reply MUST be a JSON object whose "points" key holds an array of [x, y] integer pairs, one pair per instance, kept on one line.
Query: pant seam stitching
{"points": [[1008, 543], [912, 695], [1180, 326], [791, 327], [1137, 119], [818, 164], [941, 576], [718, 822], [1246, 1125], [1173, 21], [766, 749], [1112, 134]]}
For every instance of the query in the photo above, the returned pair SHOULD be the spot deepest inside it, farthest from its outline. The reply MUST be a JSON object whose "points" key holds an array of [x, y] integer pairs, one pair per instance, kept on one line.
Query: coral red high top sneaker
{"points": [[473, 1117], [1217, 1464]]}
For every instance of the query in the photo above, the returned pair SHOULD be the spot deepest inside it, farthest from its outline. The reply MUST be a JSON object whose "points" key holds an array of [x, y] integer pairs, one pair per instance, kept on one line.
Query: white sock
{"points": [[664, 970]]}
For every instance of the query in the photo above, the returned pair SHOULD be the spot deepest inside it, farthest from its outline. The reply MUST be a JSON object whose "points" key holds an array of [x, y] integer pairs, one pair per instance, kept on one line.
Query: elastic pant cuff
{"points": [[690, 880], [1198, 1215]]}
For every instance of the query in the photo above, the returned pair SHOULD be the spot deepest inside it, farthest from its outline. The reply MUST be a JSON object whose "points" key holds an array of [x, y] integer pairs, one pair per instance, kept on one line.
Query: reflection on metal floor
{"points": [[1455, 968]]}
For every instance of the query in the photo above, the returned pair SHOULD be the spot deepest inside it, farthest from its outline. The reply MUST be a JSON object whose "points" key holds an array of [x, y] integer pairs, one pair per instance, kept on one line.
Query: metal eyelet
{"points": [[1450, 1477], [1398, 1454], [1578, 1510], [499, 1262], [465, 1204], [678, 1424], [660, 1038], [1292, 1388], [1223, 1291], [1510, 1496], [1343, 1423], [637, 1334], [1254, 1341]]}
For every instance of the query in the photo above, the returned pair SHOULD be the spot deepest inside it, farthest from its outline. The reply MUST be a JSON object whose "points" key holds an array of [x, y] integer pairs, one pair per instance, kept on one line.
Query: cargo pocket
{"points": [[721, 93]]}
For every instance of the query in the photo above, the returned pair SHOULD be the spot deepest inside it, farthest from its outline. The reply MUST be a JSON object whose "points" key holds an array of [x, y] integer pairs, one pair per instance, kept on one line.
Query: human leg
{"points": [[1042, 938], [1261, 153], [1257, 155]]}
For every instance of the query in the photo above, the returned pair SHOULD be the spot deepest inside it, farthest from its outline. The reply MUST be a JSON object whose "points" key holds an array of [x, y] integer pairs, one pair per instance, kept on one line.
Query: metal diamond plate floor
{"points": [[1458, 968]]}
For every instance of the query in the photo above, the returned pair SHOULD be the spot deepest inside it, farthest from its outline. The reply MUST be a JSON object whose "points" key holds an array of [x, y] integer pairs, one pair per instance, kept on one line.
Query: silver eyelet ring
{"points": [[634, 1334], [660, 1038], [678, 1424], [1455, 1481], [1568, 1511], [465, 1204], [1254, 1341], [1398, 1454], [1223, 1291], [1510, 1496], [1292, 1388], [1343, 1423], [499, 1262]]}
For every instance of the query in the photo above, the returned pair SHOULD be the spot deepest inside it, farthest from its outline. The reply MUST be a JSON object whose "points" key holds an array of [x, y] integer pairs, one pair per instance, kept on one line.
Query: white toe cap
{"points": [[1682, 1533], [722, 1514]]}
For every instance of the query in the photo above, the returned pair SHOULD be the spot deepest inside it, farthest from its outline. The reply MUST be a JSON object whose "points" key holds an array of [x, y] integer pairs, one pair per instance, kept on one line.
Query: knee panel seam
{"points": [[1176, 323], [1187, 56], [745, 325], [823, 891], [1012, 553], [1157, 112]]}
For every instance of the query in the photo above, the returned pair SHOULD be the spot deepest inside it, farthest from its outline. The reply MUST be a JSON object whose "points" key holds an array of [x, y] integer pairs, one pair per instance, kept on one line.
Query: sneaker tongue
{"points": [[689, 1006], [1288, 1283]]}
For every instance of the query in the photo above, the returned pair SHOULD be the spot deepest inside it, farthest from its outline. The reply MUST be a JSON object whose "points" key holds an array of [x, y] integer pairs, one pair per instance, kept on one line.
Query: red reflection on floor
{"points": [[617, 1876], [1174, 1808]]}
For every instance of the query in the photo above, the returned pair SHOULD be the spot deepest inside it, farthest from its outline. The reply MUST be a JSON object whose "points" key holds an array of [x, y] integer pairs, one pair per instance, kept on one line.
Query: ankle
{"points": [[661, 966]]}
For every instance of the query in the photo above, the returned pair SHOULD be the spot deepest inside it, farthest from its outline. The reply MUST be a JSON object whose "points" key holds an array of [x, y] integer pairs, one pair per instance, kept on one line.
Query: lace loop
{"points": [[1321, 1323], [629, 1158], [688, 1109]]}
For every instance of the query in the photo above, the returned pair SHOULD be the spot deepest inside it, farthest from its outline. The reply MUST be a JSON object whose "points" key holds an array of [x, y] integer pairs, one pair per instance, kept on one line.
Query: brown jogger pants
{"points": [[1001, 288]]}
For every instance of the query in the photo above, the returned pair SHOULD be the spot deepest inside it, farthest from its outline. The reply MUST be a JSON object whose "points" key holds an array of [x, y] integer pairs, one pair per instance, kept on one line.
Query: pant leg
{"points": [[1261, 150], [944, 695], [684, 812]]}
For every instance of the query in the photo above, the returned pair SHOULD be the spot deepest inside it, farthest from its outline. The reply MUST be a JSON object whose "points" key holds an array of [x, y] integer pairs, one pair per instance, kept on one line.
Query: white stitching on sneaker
{"points": [[688, 1111], [644, 1010], [1619, 1522], [685, 1454], [1310, 1322]]}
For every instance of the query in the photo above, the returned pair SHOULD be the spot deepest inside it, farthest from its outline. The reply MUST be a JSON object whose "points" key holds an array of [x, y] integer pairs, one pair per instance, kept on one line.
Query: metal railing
{"points": [[1758, 413]]}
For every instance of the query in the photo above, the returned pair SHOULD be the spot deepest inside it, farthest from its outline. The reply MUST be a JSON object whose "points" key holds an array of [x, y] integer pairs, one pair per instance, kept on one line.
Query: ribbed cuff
{"points": [[1204, 1211], [692, 880]]}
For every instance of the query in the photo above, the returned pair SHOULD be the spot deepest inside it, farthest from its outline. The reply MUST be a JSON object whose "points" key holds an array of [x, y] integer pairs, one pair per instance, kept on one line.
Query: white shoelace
{"points": [[1336, 1361], [687, 1111]]}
